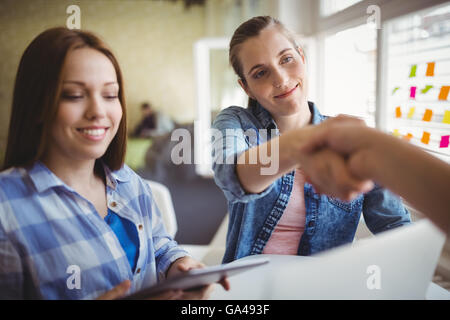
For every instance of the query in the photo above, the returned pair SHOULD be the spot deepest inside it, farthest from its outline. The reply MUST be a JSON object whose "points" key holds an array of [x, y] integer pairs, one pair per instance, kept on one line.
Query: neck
{"points": [[77, 174], [295, 121]]}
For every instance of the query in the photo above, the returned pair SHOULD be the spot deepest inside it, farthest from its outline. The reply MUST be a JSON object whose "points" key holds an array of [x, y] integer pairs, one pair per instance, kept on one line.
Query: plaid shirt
{"points": [[54, 244]]}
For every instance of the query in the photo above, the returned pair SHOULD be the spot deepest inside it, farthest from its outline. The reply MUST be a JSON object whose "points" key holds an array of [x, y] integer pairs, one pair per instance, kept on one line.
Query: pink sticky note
{"points": [[444, 142], [412, 94]]}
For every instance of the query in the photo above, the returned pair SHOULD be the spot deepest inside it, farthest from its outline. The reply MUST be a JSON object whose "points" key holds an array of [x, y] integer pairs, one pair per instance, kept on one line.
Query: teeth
{"points": [[93, 132]]}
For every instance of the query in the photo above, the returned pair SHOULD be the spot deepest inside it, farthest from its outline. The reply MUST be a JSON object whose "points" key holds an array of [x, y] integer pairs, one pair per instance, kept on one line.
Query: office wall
{"points": [[151, 39]]}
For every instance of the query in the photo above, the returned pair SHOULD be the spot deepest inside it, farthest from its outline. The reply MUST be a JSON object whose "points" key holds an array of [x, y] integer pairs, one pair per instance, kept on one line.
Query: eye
{"points": [[111, 96], [286, 59], [72, 96], [259, 74]]}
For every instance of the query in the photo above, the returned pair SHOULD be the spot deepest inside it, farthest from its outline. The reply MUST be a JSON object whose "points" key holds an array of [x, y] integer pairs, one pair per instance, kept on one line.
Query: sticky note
{"points": [[427, 115], [430, 69], [446, 117], [444, 142], [425, 90], [412, 93], [412, 73], [395, 89], [398, 112], [396, 133], [443, 94], [408, 137], [425, 137], [411, 112]]}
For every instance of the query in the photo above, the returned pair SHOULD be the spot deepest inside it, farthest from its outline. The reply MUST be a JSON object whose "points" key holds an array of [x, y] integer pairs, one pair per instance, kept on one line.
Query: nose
{"points": [[279, 78], [96, 108]]}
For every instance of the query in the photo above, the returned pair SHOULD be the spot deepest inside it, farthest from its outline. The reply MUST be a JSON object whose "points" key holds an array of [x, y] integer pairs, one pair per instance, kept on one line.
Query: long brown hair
{"points": [[37, 92], [249, 29]]}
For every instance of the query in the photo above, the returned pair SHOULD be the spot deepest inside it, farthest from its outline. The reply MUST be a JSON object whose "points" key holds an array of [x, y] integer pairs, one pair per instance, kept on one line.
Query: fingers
{"points": [[168, 295], [329, 174], [225, 283], [117, 292], [202, 293]]}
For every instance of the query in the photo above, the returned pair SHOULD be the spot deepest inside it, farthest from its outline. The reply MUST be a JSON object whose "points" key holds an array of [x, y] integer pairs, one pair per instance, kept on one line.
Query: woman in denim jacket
{"points": [[259, 165]]}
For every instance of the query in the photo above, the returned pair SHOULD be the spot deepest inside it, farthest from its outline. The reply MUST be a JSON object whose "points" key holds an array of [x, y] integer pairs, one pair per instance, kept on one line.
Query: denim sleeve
{"points": [[383, 210], [228, 143]]}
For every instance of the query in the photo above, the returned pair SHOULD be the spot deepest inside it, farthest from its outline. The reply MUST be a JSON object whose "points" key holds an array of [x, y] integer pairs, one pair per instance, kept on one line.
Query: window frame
{"points": [[356, 15]]}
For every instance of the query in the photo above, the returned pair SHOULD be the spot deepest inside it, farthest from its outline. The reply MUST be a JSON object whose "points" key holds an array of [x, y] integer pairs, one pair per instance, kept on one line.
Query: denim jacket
{"points": [[330, 222]]}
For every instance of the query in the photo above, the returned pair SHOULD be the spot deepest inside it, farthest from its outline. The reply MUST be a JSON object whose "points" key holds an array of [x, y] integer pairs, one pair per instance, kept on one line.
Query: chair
{"points": [[210, 254], [163, 200]]}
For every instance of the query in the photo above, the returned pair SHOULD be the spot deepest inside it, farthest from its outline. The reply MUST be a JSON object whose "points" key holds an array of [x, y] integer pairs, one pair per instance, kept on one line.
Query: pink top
{"points": [[286, 236]]}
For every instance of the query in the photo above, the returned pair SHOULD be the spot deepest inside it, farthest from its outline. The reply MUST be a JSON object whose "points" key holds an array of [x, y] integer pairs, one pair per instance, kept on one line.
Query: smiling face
{"points": [[89, 110], [274, 72]]}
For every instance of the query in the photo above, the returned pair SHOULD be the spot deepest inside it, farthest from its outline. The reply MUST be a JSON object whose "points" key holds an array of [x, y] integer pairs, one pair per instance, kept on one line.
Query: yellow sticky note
{"points": [[425, 137], [446, 117], [427, 115], [411, 112], [396, 133]]}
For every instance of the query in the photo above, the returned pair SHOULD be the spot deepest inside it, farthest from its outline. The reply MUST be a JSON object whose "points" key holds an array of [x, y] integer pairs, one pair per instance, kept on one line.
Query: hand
{"points": [[351, 138], [185, 264], [327, 171], [326, 168]]}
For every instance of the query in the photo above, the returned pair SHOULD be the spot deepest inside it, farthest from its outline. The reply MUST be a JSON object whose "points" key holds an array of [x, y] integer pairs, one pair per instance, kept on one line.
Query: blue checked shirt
{"points": [[54, 244]]}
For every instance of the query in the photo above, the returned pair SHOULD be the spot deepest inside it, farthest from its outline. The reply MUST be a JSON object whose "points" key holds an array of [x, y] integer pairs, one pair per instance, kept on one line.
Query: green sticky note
{"points": [[425, 90], [413, 71]]}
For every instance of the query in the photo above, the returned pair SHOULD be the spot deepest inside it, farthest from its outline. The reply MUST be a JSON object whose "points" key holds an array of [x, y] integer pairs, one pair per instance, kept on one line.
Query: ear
{"points": [[246, 89]]}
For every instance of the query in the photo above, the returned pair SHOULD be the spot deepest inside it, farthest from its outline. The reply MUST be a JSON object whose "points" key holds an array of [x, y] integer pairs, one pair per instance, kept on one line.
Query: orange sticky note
{"points": [[430, 69], [427, 115], [446, 117], [444, 93], [398, 112], [425, 137], [408, 137], [411, 112]]}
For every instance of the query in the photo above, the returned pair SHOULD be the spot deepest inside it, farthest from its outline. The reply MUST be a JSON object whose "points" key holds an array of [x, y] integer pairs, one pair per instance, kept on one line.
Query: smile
{"points": [[286, 94], [93, 134]]}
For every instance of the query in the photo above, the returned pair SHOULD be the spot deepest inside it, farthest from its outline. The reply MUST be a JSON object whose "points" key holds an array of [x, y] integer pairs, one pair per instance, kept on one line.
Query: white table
{"points": [[260, 284]]}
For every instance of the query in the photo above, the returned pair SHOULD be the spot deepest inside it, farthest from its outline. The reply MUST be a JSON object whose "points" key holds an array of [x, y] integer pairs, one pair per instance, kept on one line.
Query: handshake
{"points": [[340, 156]]}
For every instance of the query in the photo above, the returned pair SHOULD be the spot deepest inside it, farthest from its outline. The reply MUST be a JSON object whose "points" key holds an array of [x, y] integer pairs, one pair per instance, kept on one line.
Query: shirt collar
{"points": [[268, 123], [44, 179]]}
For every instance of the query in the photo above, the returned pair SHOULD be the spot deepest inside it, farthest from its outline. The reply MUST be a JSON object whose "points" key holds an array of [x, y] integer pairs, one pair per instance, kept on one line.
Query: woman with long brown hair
{"points": [[75, 222], [280, 212]]}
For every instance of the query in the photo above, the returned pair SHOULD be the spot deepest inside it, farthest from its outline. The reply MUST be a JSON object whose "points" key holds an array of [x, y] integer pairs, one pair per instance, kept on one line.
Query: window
{"points": [[350, 73], [329, 7], [418, 79]]}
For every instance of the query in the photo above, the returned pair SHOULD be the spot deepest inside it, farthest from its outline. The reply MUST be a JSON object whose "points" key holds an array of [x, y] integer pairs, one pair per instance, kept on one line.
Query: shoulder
{"points": [[129, 181], [234, 117], [12, 182]]}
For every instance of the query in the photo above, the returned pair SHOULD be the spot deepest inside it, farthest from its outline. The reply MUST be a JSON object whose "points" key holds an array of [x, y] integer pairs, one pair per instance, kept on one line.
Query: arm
{"points": [[423, 180], [246, 170], [420, 178]]}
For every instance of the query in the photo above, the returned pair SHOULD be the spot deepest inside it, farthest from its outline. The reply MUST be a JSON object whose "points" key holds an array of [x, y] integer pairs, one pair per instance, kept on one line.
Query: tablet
{"points": [[199, 277]]}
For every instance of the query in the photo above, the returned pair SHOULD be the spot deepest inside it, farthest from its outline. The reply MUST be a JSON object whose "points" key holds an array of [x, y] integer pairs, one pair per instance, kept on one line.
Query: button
{"points": [[138, 270], [141, 227], [113, 204], [311, 224]]}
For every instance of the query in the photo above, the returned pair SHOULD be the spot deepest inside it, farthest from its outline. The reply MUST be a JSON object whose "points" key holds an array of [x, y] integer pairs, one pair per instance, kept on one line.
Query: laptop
{"points": [[396, 264]]}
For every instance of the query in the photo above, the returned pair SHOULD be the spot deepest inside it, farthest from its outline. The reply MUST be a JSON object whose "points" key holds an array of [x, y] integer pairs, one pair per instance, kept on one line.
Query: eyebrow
{"points": [[260, 65], [83, 84]]}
